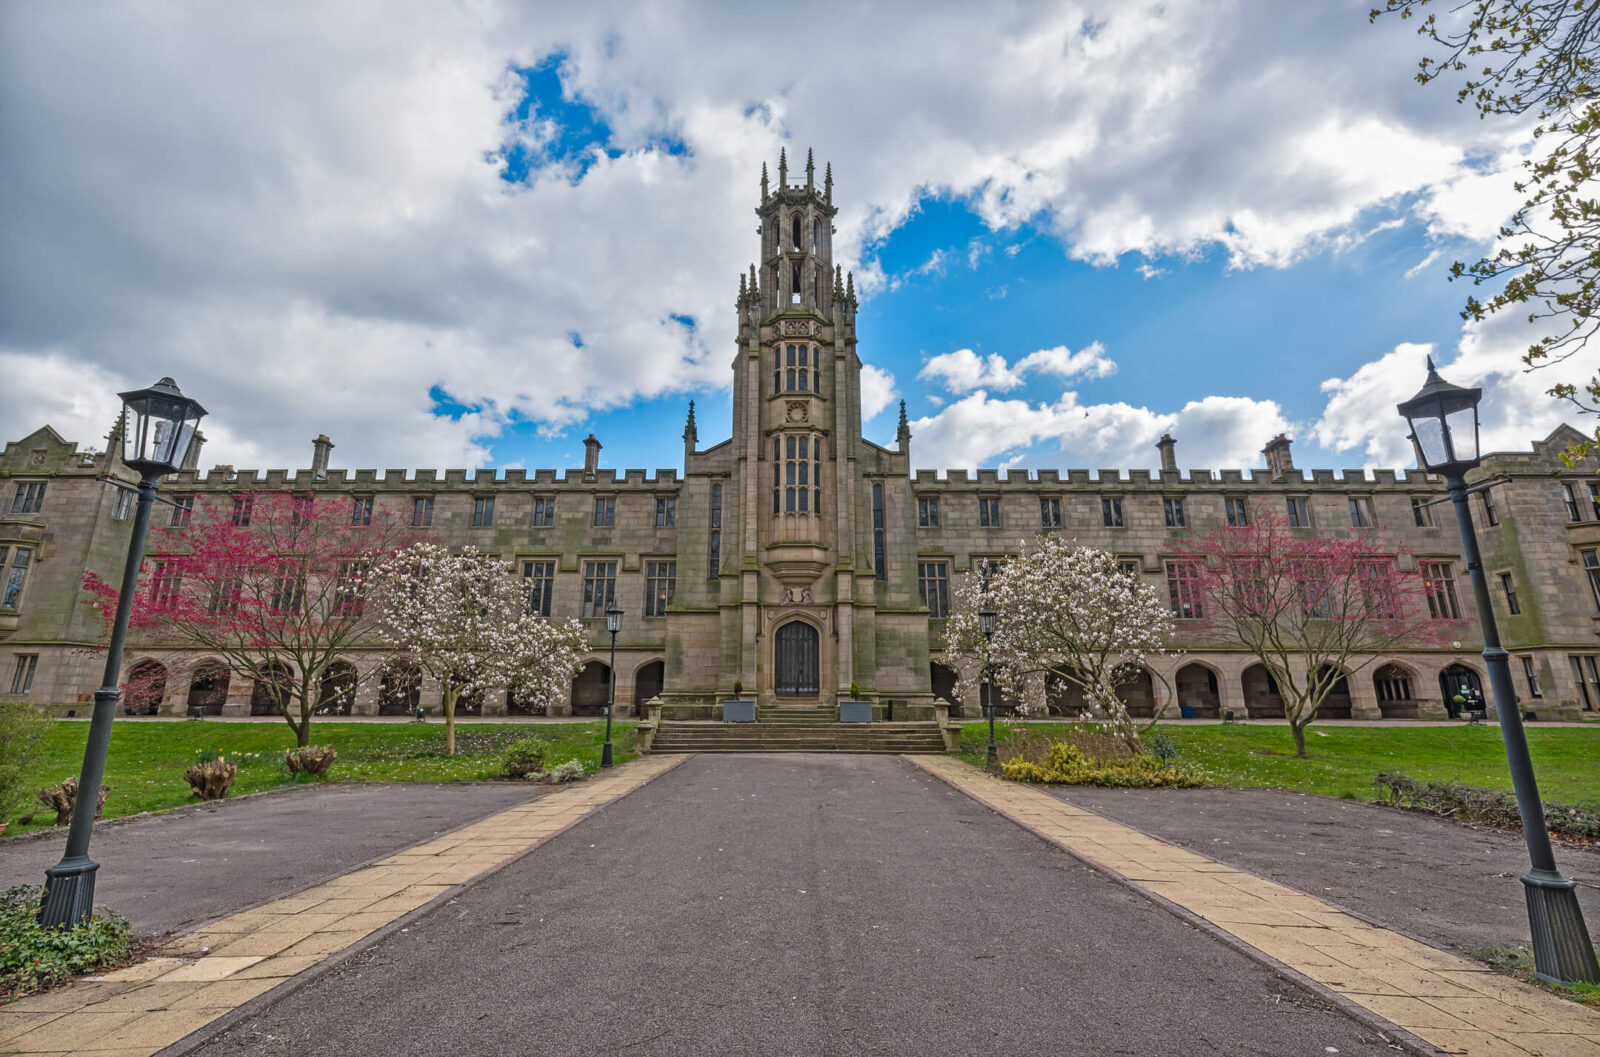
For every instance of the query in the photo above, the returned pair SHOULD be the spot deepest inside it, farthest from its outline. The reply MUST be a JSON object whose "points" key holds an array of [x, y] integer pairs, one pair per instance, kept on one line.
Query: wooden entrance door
{"points": [[796, 664]]}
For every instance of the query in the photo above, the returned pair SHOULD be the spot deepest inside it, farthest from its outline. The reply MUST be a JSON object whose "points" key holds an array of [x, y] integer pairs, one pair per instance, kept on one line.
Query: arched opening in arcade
{"points": [[1396, 692], [269, 694], [208, 688], [1261, 697], [1336, 703], [590, 688], [336, 694], [400, 690], [648, 682], [142, 693], [1199, 695], [1137, 692]]}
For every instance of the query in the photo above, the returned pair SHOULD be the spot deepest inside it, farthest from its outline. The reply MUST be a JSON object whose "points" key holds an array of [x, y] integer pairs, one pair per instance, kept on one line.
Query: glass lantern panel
{"points": [[1463, 427], [1430, 438]]}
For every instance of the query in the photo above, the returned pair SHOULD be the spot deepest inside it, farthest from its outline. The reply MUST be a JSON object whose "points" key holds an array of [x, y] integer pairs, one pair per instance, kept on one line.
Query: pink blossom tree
{"points": [[274, 584], [1064, 613], [1313, 609], [467, 620]]}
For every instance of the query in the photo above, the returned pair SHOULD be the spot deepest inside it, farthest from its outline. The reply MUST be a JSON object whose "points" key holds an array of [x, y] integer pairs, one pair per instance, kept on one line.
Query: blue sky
{"points": [[468, 235]]}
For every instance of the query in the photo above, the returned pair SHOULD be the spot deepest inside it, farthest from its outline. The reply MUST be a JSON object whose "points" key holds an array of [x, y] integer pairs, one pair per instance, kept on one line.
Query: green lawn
{"points": [[146, 763], [1341, 761]]}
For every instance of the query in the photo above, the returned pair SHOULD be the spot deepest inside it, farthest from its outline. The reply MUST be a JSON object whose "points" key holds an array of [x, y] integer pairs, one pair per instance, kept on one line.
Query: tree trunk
{"points": [[450, 721], [1299, 737]]}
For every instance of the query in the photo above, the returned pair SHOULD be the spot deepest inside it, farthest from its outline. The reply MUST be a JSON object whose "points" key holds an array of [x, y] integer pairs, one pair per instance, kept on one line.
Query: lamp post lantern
{"points": [[613, 625], [158, 425], [986, 622], [1444, 426]]}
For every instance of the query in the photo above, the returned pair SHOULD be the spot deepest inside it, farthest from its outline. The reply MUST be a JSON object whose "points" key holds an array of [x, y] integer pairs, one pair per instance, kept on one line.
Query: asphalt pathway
{"points": [[1441, 882], [807, 905], [175, 871]]}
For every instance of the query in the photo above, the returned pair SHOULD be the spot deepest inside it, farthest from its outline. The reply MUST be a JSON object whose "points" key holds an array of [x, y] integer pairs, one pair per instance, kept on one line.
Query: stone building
{"points": [[798, 557]]}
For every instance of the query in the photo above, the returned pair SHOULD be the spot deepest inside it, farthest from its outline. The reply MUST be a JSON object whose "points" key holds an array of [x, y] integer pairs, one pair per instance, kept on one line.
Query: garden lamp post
{"points": [[158, 425], [613, 625], [1444, 426], [986, 621]]}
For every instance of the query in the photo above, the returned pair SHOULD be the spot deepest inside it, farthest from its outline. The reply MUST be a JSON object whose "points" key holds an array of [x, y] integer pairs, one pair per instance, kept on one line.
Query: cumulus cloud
{"points": [[300, 214], [963, 370], [1216, 432], [877, 391], [1360, 415]]}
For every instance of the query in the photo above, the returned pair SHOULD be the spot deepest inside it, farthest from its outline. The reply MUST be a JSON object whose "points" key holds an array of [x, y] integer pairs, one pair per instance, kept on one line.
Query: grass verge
{"points": [[1344, 761], [1518, 962], [146, 761]]}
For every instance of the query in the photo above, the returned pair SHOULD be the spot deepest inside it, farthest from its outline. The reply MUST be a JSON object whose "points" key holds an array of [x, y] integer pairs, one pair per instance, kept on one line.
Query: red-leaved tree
{"points": [[1313, 609], [272, 584]]}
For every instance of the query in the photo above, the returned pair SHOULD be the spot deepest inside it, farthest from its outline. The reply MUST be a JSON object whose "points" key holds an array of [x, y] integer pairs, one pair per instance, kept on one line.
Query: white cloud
{"points": [[1360, 413], [877, 391], [963, 370], [299, 214], [1217, 432]]}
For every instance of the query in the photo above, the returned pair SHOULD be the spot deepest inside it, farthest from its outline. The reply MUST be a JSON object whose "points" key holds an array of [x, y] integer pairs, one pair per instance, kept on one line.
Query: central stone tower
{"points": [[805, 567]]}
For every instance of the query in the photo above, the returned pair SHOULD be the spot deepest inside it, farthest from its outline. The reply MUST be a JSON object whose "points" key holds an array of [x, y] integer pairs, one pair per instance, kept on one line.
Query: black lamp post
{"points": [[986, 622], [158, 425], [613, 625], [1444, 425]]}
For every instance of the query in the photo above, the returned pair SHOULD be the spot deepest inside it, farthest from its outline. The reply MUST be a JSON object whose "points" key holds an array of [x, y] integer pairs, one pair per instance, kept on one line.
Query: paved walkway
{"points": [[208, 974], [179, 870], [834, 905], [1445, 883], [1457, 1005]]}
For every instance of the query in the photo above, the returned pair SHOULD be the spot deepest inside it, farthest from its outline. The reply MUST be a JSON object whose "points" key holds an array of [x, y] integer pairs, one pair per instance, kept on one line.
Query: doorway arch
{"points": [[141, 694], [1460, 681], [400, 691], [336, 695], [1198, 691], [271, 677], [590, 689], [648, 682], [796, 668]]}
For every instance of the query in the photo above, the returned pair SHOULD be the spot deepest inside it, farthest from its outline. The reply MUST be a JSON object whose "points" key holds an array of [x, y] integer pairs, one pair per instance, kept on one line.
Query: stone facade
{"points": [[802, 553]]}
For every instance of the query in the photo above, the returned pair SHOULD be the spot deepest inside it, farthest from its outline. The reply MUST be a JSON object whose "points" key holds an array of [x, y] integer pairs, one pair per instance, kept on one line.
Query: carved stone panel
{"points": [[797, 411]]}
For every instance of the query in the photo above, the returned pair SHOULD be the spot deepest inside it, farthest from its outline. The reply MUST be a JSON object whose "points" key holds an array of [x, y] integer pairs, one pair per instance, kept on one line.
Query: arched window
{"points": [[794, 283], [794, 230], [816, 241]]}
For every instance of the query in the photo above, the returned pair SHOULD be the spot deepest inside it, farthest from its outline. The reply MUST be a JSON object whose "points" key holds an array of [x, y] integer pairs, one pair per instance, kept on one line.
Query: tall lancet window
{"points": [[794, 231], [797, 474], [794, 284]]}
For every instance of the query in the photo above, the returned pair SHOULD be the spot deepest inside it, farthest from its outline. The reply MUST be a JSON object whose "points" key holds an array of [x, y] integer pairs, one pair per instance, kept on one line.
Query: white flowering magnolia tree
{"points": [[1064, 613], [465, 619]]}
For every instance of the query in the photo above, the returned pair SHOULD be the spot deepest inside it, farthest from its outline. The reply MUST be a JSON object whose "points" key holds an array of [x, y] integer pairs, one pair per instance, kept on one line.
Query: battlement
{"points": [[1259, 478], [226, 477]]}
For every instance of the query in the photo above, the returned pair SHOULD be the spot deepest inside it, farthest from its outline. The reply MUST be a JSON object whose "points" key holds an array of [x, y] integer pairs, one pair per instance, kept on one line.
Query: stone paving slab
{"points": [[1452, 1003], [205, 975]]}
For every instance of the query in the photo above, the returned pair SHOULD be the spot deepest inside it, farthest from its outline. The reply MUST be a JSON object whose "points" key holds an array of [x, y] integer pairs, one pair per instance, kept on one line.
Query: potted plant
{"points": [[738, 708], [853, 709]]}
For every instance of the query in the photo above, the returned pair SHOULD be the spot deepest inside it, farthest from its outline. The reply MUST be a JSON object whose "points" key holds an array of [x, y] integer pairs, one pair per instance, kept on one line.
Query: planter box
{"points": [[855, 711], [738, 711]]}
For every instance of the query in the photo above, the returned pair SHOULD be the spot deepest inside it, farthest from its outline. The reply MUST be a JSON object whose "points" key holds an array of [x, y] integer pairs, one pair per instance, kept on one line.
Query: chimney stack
{"points": [[321, 448], [1168, 448], [1278, 461], [591, 457], [191, 457]]}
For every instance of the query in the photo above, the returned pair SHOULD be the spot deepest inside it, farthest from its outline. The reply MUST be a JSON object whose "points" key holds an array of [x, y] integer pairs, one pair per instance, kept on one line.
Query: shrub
{"points": [[33, 957], [211, 779], [1574, 822], [313, 760], [525, 758], [855, 690], [1065, 764], [567, 772], [21, 727], [738, 687], [62, 797]]}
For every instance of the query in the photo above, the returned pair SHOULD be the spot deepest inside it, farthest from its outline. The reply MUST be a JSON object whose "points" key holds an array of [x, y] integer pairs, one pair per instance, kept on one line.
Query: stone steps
{"points": [[798, 736]]}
